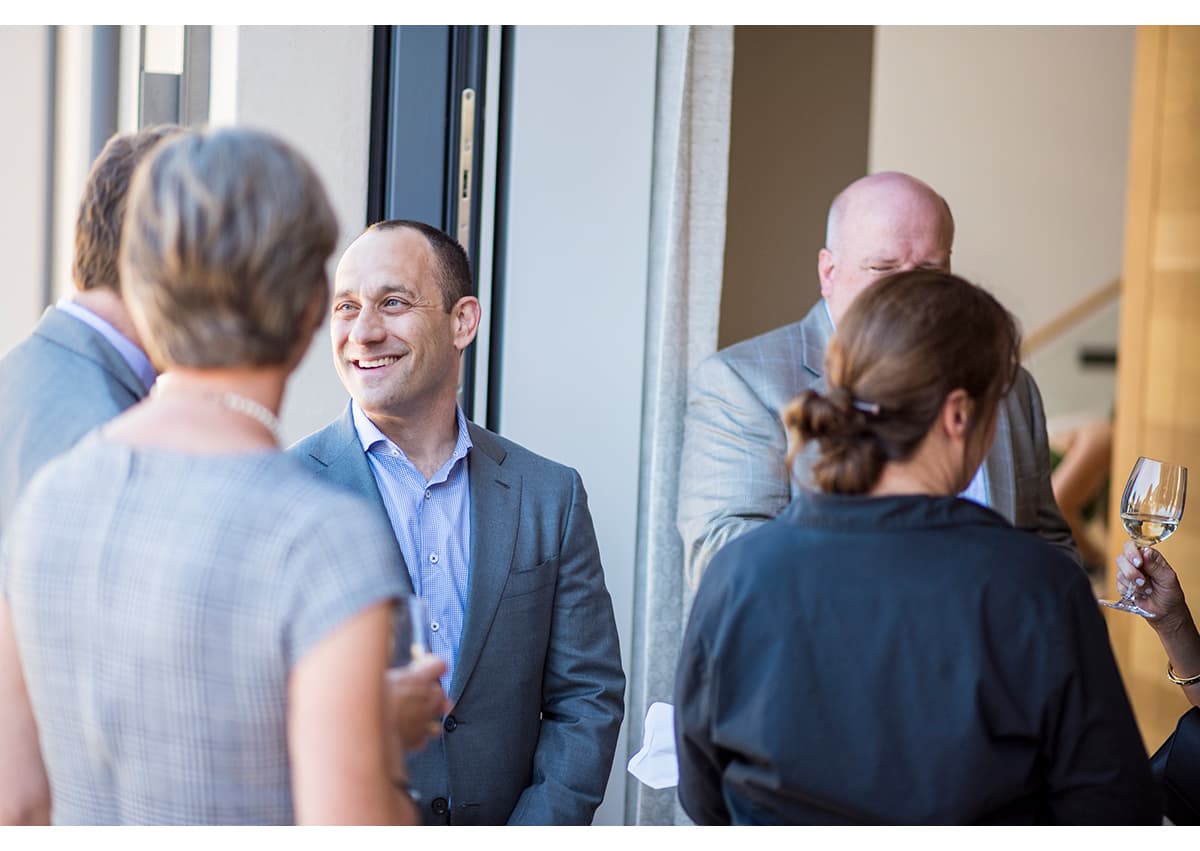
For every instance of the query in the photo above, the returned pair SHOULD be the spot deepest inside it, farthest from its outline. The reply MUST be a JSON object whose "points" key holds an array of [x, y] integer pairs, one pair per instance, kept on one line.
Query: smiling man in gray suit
{"points": [[498, 540], [83, 364], [733, 476]]}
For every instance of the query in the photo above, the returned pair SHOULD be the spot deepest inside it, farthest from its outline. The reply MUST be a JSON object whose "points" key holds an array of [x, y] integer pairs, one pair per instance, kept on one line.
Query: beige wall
{"points": [[798, 135], [1025, 131], [25, 100]]}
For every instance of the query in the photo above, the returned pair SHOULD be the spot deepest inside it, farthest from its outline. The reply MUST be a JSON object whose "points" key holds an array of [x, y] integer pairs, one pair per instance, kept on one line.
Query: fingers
{"points": [[1128, 563], [432, 731], [1146, 567], [1155, 566], [424, 670], [427, 667]]}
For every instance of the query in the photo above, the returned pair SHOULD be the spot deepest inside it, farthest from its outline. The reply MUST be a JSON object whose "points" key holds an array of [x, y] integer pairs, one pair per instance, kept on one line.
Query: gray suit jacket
{"points": [[56, 386], [538, 689], [733, 475]]}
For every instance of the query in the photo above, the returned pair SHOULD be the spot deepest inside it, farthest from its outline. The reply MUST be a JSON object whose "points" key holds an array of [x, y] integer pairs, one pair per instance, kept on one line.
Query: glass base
{"points": [[1127, 606]]}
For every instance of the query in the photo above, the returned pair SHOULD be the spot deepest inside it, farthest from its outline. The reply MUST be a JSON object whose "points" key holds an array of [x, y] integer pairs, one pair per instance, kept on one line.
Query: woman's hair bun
{"points": [[814, 415], [851, 457]]}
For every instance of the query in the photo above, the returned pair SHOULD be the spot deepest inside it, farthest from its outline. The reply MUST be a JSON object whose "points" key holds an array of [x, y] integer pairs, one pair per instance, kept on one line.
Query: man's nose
{"points": [[367, 328]]}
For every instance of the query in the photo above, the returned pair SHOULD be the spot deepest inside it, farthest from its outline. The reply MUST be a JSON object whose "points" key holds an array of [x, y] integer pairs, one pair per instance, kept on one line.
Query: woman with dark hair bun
{"points": [[884, 651]]}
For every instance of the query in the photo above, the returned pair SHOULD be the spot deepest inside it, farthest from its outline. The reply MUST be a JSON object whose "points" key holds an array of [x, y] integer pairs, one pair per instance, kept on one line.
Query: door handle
{"points": [[466, 160]]}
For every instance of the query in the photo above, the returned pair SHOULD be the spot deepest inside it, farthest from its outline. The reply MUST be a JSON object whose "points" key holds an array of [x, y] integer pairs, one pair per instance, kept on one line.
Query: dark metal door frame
{"points": [[423, 166]]}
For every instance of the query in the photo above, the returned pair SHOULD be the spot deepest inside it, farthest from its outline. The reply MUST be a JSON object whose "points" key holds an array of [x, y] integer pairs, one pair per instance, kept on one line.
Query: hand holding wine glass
{"points": [[415, 700], [1146, 571], [409, 640], [1151, 508]]}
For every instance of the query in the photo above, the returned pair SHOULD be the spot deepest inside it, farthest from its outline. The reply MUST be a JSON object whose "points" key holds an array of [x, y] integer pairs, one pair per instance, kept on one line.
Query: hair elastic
{"points": [[866, 407]]}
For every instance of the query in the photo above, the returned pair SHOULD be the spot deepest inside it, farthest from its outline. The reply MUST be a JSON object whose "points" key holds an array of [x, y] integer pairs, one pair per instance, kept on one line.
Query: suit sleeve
{"points": [[1051, 525], [583, 689], [732, 474]]}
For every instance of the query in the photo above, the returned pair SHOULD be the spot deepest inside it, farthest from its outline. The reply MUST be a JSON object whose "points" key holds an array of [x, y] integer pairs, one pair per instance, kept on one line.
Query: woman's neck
{"points": [[908, 480], [933, 470], [207, 412]]}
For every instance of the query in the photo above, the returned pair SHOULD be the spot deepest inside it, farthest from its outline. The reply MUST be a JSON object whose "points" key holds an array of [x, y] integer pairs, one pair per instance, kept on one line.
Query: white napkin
{"points": [[656, 764]]}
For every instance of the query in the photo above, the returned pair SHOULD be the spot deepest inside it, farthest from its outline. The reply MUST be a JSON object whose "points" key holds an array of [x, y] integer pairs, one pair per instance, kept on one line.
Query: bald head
{"points": [[880, 224]]}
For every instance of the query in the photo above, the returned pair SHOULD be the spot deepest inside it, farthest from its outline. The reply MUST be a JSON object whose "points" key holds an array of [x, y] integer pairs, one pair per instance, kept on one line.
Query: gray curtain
{"points": [[687, 249]]}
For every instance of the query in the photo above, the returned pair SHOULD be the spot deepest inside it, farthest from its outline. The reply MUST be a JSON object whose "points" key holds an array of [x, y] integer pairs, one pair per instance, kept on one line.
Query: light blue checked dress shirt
{"points": [[432, 523], [977, 490]]}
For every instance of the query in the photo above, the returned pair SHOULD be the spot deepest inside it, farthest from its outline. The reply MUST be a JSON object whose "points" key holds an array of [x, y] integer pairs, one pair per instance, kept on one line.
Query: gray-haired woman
{"points": [[192, 629]]}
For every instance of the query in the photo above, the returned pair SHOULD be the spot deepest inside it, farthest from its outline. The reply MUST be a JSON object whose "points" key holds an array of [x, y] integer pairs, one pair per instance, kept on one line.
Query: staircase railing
{"points": [[1070, 317]]}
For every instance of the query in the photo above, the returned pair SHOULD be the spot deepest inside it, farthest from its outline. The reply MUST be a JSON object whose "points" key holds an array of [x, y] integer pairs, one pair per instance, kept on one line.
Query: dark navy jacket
{"points": [[902, 660]]}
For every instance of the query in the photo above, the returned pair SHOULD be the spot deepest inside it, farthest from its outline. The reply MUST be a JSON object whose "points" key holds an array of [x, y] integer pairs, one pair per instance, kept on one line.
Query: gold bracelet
{"points": [[1181, 681]]}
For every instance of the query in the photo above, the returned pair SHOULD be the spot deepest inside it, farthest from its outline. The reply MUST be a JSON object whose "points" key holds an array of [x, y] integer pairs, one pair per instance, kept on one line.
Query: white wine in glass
{"points": [[1148, 530], [1151, 508]]}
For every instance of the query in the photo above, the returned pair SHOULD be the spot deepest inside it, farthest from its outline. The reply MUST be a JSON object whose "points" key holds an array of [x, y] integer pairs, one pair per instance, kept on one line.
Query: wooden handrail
{"points": [[1069, 317]]}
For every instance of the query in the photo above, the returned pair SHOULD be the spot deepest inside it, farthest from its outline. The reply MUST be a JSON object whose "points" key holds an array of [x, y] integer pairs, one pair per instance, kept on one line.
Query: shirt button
{"points": [[435, 626], [433, 557], [428, 495]]}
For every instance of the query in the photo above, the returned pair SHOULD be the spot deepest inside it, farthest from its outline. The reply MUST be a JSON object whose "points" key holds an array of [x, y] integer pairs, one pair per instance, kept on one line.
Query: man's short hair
{"points": [[454, 278], [102, 207], [223, 261]]}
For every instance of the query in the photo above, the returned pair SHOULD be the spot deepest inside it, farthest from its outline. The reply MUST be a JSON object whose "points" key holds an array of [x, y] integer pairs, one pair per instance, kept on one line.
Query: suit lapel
{"points": [[339, 451], [495, 509], [816, 330], [1001, 484]]}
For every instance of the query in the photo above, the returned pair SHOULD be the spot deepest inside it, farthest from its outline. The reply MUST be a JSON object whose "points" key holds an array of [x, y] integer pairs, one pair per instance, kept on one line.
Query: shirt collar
{"points": [[370, 436], [855, 512], [129, 351]]}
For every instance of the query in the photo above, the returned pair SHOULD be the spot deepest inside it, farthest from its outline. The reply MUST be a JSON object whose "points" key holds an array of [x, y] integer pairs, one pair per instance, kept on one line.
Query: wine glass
{"points": [[410, 633], [1151, 508]]}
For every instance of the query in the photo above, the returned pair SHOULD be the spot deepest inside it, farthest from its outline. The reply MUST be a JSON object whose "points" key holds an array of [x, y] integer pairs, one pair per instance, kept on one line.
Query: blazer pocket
{"points": [[522, 582]]}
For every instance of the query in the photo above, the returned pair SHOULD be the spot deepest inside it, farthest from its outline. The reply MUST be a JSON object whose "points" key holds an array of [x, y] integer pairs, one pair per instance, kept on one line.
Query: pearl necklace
{"points": [[235, 402]]}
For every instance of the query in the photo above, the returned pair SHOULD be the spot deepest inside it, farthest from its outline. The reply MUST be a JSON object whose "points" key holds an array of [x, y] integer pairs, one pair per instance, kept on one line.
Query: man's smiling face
{"points": [[393, 339]]}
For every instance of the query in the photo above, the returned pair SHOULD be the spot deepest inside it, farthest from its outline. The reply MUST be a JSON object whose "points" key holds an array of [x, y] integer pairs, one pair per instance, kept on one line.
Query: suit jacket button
{"points": [[451, 723], [439, 806]]}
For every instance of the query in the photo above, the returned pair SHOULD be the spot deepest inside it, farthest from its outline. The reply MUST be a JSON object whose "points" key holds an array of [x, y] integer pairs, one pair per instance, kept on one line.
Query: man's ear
{"points": [[825, 267], [464, 318]]}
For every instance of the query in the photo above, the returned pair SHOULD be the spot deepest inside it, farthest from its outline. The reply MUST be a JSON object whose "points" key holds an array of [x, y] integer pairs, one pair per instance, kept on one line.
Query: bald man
{"points": [[733, 476]]}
